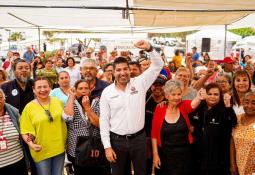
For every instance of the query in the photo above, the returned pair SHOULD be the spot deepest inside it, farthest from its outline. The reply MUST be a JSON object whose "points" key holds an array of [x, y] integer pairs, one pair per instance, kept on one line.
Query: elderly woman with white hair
{"points": [[171, 131], [12, 152]]}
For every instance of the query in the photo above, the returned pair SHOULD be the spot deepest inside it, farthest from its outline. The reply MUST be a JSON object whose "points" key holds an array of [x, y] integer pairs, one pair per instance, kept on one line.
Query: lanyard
{"points": [[63, 91], [47, 112]]}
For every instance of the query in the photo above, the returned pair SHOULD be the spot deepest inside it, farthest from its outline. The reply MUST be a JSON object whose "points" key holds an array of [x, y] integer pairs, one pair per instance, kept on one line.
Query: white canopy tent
{"points": [[125, 16], [216, 42]]}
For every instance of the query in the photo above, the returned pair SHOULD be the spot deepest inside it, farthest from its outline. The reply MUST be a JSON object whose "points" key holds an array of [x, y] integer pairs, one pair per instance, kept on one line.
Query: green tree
{"points": [[16, 36], [49, 35], [244, 32]]}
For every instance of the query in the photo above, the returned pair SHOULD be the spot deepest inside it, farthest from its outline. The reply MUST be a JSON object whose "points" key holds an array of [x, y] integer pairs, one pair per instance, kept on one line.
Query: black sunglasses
{"points": [[49, 115]]}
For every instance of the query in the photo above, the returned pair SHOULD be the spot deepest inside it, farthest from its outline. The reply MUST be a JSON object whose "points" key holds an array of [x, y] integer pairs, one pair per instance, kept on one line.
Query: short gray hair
{"points": [[88, 60], [172, 85], [250, 93]]}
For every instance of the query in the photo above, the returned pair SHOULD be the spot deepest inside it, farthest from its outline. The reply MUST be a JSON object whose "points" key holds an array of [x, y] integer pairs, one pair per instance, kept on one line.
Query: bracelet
{"points": [[150, 49]]}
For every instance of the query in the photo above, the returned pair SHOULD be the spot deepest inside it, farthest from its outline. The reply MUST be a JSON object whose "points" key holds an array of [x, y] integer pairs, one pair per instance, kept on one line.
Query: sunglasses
{"points": [[49, 115]]}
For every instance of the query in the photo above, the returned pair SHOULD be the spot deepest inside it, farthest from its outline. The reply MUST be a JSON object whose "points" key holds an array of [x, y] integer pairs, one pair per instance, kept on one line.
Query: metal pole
{"points": [[225, 40], [9, 39], [39, 36]]}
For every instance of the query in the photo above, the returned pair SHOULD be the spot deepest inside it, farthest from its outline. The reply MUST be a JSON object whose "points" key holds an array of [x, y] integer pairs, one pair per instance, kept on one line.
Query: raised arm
{"points": [[149, 76], [201, 95], [69, 108], [93, 118], [201, 82]]}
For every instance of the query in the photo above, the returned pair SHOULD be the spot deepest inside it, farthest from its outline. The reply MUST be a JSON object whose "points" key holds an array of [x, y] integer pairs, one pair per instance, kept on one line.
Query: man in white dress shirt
{"points": [[122, 114]]}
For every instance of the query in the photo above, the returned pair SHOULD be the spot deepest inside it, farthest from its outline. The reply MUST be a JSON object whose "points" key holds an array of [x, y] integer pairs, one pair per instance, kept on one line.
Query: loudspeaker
{"points": [[206, 45]]}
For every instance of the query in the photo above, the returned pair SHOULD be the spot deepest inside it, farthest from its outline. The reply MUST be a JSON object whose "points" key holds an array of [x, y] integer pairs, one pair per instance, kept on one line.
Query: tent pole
{"points": [[39, 36], [225, 40]]}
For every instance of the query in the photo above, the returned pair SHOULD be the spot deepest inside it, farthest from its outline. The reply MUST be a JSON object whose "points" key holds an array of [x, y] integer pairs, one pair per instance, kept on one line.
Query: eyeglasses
{"points": [[221, 82], [89, 68], [49, 115]]}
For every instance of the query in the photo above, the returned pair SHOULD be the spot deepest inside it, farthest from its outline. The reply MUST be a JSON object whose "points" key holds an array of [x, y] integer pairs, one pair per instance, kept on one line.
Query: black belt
{"points": [[128, 136]]}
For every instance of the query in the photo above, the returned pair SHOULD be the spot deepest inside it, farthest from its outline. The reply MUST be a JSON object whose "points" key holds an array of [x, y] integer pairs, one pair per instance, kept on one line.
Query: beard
{"points": [[22, 79], [88, 78]]}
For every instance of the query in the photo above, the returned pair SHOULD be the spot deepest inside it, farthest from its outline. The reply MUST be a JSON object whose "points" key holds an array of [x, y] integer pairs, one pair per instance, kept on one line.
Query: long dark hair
{"points": [[236, 99]]}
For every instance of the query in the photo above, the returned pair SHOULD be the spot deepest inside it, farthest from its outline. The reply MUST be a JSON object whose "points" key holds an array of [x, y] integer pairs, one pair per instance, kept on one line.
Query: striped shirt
{"points": [[14, 151]]}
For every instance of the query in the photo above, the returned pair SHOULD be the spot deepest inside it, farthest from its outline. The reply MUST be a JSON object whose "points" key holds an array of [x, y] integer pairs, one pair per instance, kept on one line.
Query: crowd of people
{"points": [[192, 115]]}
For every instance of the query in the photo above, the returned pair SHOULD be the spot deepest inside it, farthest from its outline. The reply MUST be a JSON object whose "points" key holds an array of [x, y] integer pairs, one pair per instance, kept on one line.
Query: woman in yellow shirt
{"points": [[177, 59], [43, 129]]}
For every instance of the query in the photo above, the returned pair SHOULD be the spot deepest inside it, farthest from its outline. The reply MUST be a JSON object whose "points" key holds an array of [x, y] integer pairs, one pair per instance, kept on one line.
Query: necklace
{"points": [[63, 91], [47, 112]]}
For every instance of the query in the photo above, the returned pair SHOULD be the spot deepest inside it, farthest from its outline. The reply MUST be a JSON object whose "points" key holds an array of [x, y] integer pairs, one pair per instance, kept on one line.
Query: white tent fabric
{"points": [[107, 15], [215, 34], [217, 38]]}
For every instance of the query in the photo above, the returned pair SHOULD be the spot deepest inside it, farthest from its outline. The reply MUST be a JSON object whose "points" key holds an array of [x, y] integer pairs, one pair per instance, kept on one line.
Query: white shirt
{"points": [[74, 74], [123, 112]]}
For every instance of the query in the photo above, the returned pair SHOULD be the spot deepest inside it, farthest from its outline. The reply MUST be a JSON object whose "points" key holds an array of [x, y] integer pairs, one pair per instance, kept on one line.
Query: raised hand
{"points": [[85, 102], [143, 45], [227, 98], [202, 94]]}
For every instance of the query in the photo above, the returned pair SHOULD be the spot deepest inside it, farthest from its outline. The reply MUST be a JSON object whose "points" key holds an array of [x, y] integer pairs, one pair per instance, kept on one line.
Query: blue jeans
{"points": [[51, 166]]}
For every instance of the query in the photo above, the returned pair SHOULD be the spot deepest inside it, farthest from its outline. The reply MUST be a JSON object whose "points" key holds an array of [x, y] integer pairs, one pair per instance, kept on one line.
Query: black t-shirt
{"points": [[150, 107], [15, 95], [25, 96]]}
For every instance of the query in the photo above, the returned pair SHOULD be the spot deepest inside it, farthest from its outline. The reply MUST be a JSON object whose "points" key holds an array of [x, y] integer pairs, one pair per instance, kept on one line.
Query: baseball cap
{"points": [[142, 59], [160, 80], [228, 60]]}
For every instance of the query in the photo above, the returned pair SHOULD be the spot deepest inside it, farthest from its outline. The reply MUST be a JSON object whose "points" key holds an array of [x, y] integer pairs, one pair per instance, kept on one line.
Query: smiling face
{"points": [[174, 97], [157, 89], [213, 97], [70, 63], [241, 83], [42, 89], [249, 105], [122, 73], [184, 77]]}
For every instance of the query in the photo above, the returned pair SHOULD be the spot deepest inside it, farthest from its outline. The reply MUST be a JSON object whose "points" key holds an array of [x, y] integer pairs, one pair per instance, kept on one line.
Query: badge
{"points": [[14, 92], [133, 90], [3, 143]]}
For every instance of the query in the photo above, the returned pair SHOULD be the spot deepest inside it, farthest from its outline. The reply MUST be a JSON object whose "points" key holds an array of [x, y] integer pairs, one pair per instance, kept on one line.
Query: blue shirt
{"points": [[28, 56], [195, 57], [57, 92]]}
